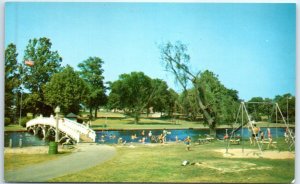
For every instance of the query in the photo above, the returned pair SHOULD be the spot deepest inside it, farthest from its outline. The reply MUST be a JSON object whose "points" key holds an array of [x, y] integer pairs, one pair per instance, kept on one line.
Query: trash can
{"points": [[53, 148]]}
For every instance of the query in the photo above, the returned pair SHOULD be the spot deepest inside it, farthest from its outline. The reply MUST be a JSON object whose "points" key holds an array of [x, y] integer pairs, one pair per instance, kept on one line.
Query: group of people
{"points": [[259, 135], [161, 138]]}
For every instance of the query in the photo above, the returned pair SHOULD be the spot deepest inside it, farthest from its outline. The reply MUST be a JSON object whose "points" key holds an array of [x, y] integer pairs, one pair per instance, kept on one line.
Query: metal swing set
{"points": [[246, 121]]}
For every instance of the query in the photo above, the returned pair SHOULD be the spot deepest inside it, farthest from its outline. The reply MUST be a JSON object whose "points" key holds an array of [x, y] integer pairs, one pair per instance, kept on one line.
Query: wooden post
{"points": [[20, 143], [10, 143]]}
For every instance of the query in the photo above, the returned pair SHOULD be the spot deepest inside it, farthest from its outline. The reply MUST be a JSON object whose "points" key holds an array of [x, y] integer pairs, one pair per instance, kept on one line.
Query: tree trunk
{"points": [[91, 113], [210, 120], [96, 109], [136, 117]]}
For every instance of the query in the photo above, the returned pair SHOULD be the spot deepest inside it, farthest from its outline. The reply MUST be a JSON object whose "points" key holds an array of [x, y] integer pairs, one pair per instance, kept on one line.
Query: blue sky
{"points": [[251, 47]]}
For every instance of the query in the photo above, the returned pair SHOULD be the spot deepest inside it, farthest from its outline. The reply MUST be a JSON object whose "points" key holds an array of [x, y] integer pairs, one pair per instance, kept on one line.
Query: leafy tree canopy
{"points": [[161, 95], [46, 63], [92, 72], [67, 90], [135, 91], [222, 103], [206, 87], [12, 80]]}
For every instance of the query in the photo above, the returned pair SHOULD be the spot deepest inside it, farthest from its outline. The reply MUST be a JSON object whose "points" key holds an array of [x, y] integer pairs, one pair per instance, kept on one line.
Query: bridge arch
{"points": [[67, 129]]}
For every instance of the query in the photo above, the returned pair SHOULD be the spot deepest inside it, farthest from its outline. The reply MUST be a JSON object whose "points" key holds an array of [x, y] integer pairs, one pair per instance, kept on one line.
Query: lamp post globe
{"points": [[57, 110]]}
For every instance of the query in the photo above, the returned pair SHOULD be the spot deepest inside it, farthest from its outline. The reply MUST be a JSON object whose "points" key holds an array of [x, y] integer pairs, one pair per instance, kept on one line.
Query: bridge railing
{"points": [[81, 128], [70, 131], [40, 120]]}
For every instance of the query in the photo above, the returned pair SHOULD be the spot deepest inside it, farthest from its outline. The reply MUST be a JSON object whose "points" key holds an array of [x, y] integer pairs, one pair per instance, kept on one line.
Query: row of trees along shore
{"points": [[45, 84]]}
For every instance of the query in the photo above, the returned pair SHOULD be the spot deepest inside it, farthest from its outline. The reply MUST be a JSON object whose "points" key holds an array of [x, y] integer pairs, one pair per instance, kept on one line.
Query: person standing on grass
{"points": [[188, 141]]}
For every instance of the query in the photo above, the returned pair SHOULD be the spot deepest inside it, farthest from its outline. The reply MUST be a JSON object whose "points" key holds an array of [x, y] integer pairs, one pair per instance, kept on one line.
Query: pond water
{"points": [[27, 139], [112, 136]]}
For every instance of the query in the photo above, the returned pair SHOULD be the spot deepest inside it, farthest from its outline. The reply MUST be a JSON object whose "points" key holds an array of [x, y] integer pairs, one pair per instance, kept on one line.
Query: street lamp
{"points": [[57, 111]]}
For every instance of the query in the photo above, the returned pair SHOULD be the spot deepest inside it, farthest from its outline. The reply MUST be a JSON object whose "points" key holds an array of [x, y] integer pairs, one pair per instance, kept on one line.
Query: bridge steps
{"points": [[85, 139]]}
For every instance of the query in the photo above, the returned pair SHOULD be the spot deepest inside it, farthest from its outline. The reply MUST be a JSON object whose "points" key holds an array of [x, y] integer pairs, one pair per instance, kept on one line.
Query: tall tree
{"points": [[171, 102], [12, 81], [222, 103], [67, 90], [188, 104], [177, 61], [44, 63], [257, 110], [132, 92], [161, 96], [92, 72]]}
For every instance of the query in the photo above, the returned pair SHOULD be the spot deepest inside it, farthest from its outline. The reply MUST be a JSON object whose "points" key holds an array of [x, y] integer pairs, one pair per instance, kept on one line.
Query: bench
{"points": [[273, 144], [205, 140], [235, 141]]}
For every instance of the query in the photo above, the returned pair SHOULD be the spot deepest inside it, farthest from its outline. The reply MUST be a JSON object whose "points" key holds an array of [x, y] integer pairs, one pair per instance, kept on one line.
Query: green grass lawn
{"points": [[14, 127], [144, 123], [14, 161], [162, 163], [110, 120], [157, 123]]}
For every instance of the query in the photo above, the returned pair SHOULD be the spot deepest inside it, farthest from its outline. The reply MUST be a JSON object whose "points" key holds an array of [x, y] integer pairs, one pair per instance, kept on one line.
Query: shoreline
{"points": [[147, 128]]}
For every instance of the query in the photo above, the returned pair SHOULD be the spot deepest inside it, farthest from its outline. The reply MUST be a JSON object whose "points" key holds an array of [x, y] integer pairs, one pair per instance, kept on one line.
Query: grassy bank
{"points": [[117, 121], [156, 123], [162, 163], [14, 127]]}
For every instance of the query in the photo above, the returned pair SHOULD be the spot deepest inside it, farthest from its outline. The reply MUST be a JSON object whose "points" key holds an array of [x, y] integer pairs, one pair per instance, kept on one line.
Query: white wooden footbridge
{"points": [[68, 129]]}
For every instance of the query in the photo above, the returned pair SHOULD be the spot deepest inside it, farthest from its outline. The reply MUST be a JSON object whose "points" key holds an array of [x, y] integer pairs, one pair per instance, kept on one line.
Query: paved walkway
{"points": [[87, 156]]}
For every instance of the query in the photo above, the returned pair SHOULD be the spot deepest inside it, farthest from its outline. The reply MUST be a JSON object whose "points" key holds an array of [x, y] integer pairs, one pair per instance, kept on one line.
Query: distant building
{"points": [[72, 116]]}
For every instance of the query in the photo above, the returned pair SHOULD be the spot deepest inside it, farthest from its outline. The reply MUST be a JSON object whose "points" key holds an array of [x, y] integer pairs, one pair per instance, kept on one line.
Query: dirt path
{"points": [[255, 153], [87, 156]]}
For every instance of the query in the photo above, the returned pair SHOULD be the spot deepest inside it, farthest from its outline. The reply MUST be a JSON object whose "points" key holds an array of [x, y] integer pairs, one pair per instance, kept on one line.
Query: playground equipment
{"points": [[242, 111]]}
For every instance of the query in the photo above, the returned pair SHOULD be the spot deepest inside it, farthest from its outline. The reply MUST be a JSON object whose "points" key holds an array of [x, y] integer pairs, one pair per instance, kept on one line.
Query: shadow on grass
{"points": [[153, 123], [112, 118], [97, 126]]}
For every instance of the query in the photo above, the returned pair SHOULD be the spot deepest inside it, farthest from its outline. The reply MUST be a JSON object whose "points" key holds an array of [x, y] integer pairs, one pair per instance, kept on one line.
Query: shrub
{"points": [[7, 121], [24, 120]]}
